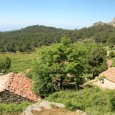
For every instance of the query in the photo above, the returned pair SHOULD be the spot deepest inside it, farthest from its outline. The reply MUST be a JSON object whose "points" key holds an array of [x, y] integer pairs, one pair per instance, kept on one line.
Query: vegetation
{"points": [[12, 108], [5, 64], [92, 100], [20, 62], [28, 38], [113, 62], [112, 54], [58, 61]]}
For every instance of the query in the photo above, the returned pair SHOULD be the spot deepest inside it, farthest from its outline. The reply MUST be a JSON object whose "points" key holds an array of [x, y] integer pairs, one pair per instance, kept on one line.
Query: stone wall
{"points": [[105, 83], [7, 97]]}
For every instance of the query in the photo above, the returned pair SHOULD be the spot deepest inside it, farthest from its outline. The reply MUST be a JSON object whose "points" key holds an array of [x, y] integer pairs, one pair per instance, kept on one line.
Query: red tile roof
{"points": [[109, 74], [18, 84]]}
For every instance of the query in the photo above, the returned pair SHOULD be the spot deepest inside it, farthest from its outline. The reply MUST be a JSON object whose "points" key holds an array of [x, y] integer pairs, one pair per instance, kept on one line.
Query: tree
{"points": [[55, 63], [111, 40], [95, 59], [58, 60]]}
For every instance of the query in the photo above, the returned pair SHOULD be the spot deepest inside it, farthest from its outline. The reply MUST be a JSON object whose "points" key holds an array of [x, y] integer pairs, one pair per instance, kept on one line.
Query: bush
{"points": [[93, 99], [5, 64]]}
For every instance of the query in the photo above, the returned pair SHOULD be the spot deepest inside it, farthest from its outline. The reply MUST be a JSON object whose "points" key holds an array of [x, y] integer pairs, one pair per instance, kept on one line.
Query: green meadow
{"points": [[20, 62]]}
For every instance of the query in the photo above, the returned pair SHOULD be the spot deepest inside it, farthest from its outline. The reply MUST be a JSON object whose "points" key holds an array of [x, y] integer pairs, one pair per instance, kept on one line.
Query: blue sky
{"points": [[68, 14]]}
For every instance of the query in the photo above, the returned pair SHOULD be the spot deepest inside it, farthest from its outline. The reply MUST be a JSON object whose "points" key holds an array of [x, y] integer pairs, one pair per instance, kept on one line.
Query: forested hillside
{"points": [[28, 38]]}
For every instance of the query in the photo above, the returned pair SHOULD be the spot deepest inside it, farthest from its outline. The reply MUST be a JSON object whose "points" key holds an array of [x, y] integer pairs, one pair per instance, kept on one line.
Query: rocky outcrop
{"points": [[41, 106], [112, 23], [47, 107], [99, 24], [8, 97]]}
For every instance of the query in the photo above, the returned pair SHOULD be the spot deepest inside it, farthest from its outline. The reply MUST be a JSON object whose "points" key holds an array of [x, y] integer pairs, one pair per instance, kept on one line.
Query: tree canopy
{"points": [[28, 38], [60, 61]]}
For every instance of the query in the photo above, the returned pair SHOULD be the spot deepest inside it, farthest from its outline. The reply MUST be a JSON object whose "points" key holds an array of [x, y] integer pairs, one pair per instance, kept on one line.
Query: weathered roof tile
{"points": [[109, 74], [18, 84]]}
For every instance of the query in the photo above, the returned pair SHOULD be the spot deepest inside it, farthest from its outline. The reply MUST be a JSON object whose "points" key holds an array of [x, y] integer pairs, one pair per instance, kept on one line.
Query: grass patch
{"points": [[20, 62], [92, 100], [13, 108]]}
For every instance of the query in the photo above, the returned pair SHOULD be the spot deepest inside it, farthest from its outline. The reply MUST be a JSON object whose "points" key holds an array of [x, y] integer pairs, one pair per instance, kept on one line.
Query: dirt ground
{"points": [[55, 112]]}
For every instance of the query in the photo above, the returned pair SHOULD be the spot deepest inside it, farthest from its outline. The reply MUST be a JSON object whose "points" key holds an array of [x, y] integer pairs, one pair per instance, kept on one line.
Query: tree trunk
{"points": [[77, 87], [61, 83]]}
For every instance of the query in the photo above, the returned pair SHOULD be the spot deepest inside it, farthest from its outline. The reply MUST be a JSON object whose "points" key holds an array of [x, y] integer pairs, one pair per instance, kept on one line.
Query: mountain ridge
{"points": [[26, 39]]}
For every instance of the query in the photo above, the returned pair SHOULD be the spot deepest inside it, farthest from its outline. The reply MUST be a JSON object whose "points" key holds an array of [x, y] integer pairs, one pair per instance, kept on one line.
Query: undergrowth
{"points": [[12, 108], [94, 101]]}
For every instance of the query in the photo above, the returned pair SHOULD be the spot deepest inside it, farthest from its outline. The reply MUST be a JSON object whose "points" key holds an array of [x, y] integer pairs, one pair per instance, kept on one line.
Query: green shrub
{"points": [[5, 64], [93, 99]]}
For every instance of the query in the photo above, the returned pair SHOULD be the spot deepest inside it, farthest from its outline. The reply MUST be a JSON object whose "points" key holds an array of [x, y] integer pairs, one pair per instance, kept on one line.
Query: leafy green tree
{"points": [[76, 59], [55, 63], [111, 40], [95, 59]]}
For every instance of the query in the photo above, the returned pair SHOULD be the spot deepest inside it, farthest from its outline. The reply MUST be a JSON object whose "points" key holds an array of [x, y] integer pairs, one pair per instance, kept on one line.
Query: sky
{"points": [[67, 14]]}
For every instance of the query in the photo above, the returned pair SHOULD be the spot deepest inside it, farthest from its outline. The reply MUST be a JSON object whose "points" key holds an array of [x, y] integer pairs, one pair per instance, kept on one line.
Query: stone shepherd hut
{"points": [[107, 78], [16, 88]]}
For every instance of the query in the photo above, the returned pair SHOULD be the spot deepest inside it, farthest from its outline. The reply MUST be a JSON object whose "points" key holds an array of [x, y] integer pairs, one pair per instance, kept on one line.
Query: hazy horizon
{"points": [[66, 14], [13, 28]]}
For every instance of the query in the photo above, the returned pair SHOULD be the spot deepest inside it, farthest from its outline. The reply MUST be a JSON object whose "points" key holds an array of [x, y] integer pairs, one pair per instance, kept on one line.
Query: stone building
{"points": [[107, 79]]}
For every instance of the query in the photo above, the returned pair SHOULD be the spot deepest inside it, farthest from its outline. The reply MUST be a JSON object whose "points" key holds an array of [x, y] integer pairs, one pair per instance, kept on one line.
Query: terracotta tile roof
{"points": [[109, 74], [18, 84]]}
